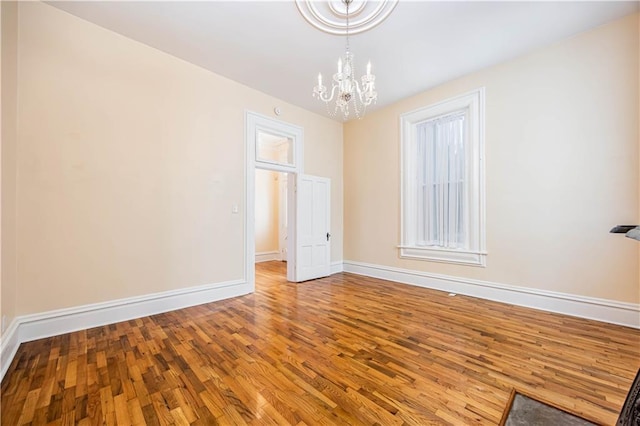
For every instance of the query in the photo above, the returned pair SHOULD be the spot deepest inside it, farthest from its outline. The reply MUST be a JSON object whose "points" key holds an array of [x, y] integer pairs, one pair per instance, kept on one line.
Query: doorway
{"points": [[271, 216], [278, 146]]}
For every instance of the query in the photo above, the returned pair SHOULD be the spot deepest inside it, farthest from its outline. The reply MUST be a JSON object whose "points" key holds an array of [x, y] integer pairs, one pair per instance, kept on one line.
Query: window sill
{"points": [[460, 257]]}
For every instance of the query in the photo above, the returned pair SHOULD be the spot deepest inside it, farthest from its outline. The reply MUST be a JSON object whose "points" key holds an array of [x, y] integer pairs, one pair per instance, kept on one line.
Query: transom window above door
{"points": [[274, 149]]}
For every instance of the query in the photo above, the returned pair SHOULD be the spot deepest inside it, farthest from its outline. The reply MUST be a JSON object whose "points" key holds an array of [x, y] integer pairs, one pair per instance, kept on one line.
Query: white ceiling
{"points": [[267, 45]]}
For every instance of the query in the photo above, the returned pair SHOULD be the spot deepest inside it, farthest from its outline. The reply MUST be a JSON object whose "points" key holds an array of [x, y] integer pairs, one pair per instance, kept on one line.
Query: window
{"points": [[274, 149], [443, 181], [275, 145]]}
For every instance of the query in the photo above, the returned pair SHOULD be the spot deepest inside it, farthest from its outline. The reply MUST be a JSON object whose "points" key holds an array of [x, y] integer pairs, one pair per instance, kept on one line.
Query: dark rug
{"points": [[630, 414], [526, 411]]}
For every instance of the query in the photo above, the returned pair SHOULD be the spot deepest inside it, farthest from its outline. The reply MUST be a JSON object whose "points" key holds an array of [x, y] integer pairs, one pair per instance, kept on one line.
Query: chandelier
{"points": [[348, 92]]}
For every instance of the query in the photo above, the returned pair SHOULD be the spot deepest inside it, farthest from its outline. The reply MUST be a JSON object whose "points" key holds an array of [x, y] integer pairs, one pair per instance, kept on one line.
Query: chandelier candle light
{"points": [[345, 87]]}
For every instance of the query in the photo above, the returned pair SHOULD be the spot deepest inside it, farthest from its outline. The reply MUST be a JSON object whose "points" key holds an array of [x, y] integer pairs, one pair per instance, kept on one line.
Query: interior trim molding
{"points": [[26, 328], [266, 256], [337, 267], [8, 347], [610, 311]]}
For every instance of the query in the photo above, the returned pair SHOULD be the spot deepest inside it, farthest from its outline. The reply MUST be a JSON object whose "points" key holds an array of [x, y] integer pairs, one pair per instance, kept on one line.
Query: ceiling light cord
{"points": [[347, 3]]}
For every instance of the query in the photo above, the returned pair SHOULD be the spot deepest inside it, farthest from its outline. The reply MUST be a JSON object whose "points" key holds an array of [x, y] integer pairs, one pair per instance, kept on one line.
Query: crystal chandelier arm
{"points": [[322, 93], [367, 93], [358, 90]]}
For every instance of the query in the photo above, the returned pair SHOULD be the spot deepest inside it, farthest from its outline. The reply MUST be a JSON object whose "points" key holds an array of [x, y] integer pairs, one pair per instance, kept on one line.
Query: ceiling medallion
{"points": [[330, 16]]}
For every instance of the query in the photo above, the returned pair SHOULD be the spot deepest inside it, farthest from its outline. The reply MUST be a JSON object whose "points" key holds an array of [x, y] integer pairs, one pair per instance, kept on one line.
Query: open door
{"points": [[312, 230]]}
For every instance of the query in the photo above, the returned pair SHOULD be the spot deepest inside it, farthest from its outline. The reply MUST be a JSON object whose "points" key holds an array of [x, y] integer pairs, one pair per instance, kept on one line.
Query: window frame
{"points": [[475, 253]]}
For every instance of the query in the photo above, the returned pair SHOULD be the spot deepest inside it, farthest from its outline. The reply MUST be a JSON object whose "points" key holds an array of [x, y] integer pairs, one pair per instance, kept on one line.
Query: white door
{"points": [[312, 231]]}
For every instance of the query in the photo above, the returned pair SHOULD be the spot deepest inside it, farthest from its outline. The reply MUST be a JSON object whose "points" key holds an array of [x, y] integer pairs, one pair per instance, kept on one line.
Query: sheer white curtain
{"points": [[441, 198]]}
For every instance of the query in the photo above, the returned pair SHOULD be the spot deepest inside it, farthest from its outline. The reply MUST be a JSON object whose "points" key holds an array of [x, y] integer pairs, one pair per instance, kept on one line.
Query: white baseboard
{"points": [[8, 346], [46, 324], [37, 326], [611, 311], [266, 256]]}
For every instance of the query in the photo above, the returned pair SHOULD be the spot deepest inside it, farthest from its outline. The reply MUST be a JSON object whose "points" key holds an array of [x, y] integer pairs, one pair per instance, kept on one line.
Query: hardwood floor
{"points": [[341, 350]]}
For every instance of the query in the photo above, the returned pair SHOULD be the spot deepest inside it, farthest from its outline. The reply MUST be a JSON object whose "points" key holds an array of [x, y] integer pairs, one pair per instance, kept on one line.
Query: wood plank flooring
{"points": [[340, 350]]}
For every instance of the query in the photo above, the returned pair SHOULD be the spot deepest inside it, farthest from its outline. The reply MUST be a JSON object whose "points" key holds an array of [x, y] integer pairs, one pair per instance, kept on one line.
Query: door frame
{"points": [[283, 216], [254, 123]]}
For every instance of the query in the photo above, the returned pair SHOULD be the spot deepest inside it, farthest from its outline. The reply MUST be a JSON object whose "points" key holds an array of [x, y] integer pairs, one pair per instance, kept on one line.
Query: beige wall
{"points": [[561, 169], [129, 163], [9, 11], [267, 211], [126, 183]]}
